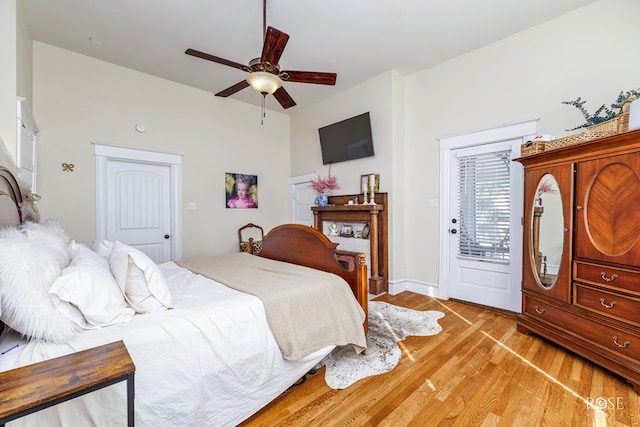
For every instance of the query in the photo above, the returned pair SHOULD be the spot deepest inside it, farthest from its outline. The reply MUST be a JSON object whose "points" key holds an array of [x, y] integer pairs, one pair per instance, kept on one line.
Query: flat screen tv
{"points": [[346, 140]]}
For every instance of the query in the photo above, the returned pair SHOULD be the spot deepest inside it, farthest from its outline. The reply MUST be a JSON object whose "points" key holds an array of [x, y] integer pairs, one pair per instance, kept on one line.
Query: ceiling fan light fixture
{"points": [[264, 82]]}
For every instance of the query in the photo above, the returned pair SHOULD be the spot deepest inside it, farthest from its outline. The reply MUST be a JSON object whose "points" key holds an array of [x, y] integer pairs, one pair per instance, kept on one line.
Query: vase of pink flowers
{"points": [[324, 186]]}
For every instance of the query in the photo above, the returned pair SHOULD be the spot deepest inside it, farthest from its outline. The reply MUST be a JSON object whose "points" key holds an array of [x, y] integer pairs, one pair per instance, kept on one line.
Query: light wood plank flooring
{"points": [[478, 372]]}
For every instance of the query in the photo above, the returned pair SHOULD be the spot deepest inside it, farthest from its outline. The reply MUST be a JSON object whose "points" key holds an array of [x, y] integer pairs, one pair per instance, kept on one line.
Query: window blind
{"points": [[484, 211]]}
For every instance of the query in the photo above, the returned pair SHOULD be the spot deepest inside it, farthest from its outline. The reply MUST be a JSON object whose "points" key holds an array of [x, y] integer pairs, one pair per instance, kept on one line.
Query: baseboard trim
{"points": [[417, 286]]}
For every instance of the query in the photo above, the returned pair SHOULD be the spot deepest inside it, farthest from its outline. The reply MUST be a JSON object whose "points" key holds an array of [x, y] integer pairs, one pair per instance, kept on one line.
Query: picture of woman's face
{"points": [[242, 190]]}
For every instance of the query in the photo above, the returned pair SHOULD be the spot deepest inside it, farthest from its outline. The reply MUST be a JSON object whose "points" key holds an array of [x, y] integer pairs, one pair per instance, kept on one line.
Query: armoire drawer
{"points": [[544, 312], [608, 338], [606, 276], [610, 304]]}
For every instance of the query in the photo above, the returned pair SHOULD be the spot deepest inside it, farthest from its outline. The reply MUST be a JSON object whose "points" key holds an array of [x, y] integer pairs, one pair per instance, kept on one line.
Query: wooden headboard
{"points": [[10, 202], [10, 199]]}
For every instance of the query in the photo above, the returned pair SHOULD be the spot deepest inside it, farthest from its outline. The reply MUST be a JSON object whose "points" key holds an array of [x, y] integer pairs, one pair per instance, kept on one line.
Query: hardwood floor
{"points": [[478, 372]]}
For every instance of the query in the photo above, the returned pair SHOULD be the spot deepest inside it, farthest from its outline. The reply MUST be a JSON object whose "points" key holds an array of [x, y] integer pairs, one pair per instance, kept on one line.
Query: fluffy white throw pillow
{"points": [[28, 267], [89, 285], [51, 234], [140, 279]]}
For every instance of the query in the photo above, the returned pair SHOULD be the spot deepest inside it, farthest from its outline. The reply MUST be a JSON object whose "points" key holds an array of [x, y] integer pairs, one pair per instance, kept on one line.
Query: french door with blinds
{"points": [[482, 226]]}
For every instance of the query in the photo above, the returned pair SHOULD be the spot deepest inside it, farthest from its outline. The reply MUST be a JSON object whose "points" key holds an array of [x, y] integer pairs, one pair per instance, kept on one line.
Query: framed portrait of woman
{"points": [[241, 191]]}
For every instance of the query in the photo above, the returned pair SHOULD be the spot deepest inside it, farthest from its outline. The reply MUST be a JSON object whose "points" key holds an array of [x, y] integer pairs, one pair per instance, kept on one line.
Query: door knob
{"points": [[453, 231], [166, 236]]}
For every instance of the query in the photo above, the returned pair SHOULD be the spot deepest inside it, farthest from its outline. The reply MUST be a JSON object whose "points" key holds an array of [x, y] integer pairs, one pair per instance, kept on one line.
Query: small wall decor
{"points": [[67, 167], [241, 190]]}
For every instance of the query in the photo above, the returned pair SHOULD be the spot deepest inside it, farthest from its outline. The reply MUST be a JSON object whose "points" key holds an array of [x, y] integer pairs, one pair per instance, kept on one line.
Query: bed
{"points": [[205, 352]]}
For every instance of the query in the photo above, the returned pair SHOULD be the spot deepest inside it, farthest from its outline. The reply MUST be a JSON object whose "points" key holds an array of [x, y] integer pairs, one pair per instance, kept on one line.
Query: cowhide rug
{"points": [[388, 325]]}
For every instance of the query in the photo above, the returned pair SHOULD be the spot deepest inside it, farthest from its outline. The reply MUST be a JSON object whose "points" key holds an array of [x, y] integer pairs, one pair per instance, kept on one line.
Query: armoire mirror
{"points": [[547, 230]]}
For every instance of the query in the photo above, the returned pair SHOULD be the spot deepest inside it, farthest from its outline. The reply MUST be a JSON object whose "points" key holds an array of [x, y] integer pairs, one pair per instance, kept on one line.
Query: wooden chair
{"points": [[250, 237]]}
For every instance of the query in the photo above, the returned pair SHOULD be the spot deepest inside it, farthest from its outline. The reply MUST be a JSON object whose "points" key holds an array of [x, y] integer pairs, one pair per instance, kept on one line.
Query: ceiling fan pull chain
{"points": [[264, 111]]}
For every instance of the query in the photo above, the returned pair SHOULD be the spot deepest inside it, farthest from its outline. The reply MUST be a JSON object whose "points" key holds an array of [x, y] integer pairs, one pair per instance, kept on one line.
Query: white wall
{"points": [[588, 53], [24, 57], [382, 97], [15, 75], [8, 71], [80, 100]]}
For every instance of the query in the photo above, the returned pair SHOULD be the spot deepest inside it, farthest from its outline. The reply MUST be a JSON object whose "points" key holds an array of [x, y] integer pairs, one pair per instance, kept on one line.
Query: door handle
{"points": [[166, 236], [453, 230]]}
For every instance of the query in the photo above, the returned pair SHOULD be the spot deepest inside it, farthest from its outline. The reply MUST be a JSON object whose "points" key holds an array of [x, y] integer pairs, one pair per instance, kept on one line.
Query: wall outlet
{"points": [[432, 203], [191, 205]]}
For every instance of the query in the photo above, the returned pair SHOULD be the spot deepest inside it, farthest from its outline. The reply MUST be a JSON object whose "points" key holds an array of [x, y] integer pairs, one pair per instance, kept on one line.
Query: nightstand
{"points": [[38, 386]]}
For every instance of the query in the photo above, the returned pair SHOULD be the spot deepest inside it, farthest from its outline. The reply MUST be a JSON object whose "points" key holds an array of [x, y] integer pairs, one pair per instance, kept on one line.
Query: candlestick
{"points": [[372, 182]]}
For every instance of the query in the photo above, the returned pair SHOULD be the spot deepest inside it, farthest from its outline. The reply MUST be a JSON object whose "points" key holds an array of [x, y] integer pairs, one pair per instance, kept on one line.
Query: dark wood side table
{"points": [[38, 386]]}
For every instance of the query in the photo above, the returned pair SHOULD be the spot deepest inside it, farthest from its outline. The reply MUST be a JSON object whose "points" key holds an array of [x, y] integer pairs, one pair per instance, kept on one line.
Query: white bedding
{"points": [[210, 361]]}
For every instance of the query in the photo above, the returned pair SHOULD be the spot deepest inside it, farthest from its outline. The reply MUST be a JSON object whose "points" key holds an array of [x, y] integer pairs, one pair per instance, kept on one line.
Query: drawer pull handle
{"points": [[608, 279], [623, 345], [539, 310], [607, 305]]}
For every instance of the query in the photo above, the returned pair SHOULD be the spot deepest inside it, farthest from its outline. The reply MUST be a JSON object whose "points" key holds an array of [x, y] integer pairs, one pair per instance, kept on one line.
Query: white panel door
{"points": [[303, 198], [139, 207], [484, 226]]}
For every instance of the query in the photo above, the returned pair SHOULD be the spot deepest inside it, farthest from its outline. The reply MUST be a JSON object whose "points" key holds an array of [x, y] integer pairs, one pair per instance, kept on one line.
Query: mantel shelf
{"points": [[344, 208]]}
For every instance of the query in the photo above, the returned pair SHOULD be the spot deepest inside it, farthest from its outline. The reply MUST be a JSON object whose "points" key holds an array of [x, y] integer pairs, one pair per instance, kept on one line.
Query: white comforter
{"points": [[211, 361]]}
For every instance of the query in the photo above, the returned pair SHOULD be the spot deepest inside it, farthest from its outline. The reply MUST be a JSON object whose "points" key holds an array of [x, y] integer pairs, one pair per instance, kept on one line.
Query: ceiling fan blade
{"points": [[274, 44], [233, 89], [309, 77], [284, 98], [217, 59]]}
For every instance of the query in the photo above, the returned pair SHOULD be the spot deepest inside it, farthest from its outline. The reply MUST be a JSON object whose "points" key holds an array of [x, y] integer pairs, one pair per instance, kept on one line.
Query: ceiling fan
{"points": [[265, 76]]}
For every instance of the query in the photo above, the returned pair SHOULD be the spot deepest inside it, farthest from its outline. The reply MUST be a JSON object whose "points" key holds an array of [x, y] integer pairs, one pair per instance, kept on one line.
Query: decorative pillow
{"points": [[50, 234], [140, 279], [27, 270], [89, 285], [103, 248]]}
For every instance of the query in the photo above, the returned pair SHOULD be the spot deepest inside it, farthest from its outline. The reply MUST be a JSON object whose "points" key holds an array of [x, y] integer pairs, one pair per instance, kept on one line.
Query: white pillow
{"points": [[89, 285], [27, 270], [50, 234], [103, 248], [140, 279]]}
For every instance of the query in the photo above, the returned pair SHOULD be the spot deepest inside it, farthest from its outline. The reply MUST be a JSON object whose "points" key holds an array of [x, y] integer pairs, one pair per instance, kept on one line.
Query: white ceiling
{"points": [[357, 39]]}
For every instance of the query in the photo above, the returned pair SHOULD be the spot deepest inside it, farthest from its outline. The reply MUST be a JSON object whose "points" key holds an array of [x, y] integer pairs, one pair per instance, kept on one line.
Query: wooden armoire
{"points": [[581, 266]]}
